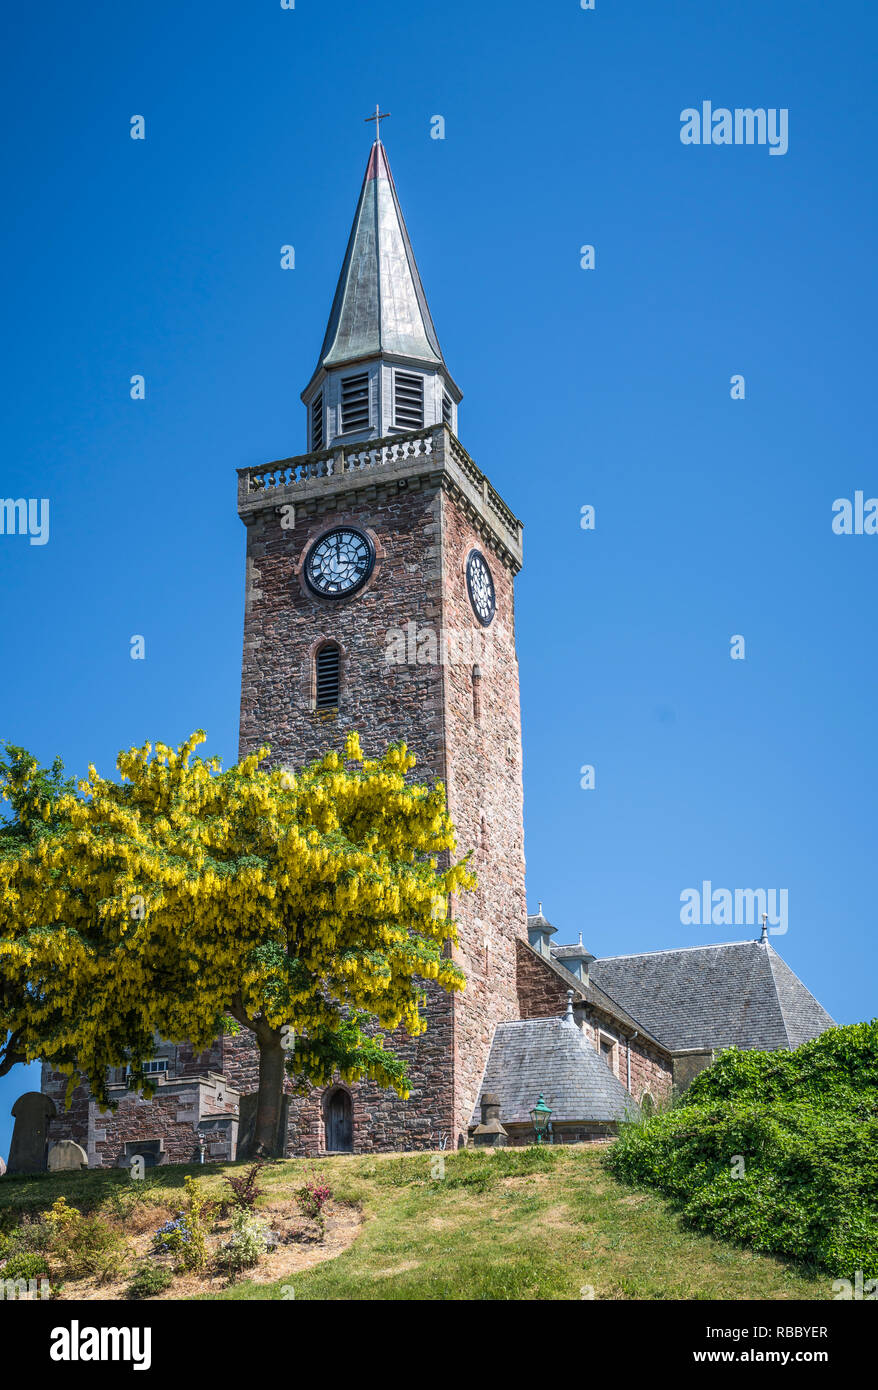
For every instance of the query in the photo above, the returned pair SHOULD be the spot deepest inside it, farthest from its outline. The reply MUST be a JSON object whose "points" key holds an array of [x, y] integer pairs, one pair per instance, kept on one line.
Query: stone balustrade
{"points": [[345, 464]]}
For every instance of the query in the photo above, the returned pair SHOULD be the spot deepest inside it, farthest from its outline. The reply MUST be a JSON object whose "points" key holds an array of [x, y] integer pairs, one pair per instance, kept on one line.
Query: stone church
{"points": [[380, 569]]}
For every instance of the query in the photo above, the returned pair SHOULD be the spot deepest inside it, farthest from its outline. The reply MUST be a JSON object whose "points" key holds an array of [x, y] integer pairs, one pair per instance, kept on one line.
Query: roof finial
{"points": [[569, 1014], [378, 118], [764, 936], [539, 909]]}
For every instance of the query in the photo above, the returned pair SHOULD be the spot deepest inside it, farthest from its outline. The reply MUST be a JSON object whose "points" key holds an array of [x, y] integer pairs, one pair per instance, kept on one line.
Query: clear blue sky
{"points": [[608, 387]]}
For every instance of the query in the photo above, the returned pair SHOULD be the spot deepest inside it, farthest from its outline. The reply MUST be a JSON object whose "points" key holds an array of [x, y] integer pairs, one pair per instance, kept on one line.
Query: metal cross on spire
{"points": [[378, 118]]}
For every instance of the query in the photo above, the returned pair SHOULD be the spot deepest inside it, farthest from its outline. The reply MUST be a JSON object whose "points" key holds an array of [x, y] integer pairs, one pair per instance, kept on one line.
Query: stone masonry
{"points": [[424, 511]]}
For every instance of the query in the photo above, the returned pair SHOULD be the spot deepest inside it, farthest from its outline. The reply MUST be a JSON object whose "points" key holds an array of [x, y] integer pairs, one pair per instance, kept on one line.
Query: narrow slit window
{"points": [[328, 676], [355, 403], [408, 401], [317, 423]]}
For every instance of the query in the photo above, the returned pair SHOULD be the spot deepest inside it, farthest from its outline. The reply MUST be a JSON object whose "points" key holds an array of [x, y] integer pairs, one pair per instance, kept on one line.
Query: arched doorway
{"points": [[339, 1117]]}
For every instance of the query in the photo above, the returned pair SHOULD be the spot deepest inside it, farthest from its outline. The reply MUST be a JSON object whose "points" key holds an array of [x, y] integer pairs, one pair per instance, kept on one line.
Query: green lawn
{"points": [[518, 1224], [525, 1224]]}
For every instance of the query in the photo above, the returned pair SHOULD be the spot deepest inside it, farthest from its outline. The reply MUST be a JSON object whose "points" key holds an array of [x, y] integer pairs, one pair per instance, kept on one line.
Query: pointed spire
{"points": [[379, 306]]}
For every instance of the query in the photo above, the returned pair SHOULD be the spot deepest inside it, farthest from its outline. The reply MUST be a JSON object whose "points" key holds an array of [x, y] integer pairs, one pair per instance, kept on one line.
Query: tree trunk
{"points": [[267, 1141]]}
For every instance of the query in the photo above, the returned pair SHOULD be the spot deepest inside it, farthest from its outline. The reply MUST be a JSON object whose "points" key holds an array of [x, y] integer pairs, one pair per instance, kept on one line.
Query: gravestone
{"points": [[32, 1113], [67, 1157]]}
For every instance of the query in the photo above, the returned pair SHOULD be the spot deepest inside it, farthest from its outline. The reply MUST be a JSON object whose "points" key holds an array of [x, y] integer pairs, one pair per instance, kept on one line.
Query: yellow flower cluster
{"points": [[180, 893]]}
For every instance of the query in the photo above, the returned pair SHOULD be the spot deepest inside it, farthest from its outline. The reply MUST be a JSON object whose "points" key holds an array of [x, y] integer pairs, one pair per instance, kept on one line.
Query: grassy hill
{"points": [[518, 1224]]}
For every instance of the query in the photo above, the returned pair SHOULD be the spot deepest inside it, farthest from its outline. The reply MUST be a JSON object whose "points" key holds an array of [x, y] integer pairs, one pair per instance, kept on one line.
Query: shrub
{"points": [[312, 1198], [26, 1265], [245, 1189], [148, 1280], [185, 1236], [778, 1151], [246, 1245], [79, 1246], [31, 1235]]}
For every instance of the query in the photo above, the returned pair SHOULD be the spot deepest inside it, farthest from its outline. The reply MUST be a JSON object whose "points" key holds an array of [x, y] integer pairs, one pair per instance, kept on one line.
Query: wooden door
{"points": [[339, 1123]]}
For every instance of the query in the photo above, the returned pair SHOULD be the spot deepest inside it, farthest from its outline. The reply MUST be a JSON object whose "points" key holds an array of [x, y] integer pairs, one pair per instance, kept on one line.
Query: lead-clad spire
{"points": [[380, 303], [380, 323]]}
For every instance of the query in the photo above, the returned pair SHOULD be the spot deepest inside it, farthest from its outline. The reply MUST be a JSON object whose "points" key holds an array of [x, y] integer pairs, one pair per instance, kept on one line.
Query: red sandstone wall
{"points": [[483, 760], [422, 540], [383, 701]]}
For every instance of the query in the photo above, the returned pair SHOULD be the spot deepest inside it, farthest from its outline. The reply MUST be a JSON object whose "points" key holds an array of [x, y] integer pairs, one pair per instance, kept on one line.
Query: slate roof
{"points": [[591, 994], [551, 1056], [739, 994], [379, 304]]}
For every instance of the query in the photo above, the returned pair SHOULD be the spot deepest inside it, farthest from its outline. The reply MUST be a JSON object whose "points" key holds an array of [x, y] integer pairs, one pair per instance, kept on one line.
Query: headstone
{"points": [[67, 1156], [32, 1113]]}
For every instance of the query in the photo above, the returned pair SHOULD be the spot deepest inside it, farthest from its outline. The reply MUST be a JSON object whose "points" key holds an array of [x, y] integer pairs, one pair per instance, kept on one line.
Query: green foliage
{"points": [[83, 1246], [26, 1265], [185, 1237], [837, 1071], [246, 1245], [32, 794], [148, 1280], [30, 1237], [775, 1150]]}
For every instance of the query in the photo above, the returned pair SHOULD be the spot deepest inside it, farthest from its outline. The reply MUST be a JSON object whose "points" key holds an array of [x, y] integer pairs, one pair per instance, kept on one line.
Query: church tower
{"points": [[379, 597]]}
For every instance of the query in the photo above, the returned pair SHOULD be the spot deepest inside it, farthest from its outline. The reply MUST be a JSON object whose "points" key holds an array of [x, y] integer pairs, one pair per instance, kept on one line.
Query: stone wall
{"points": [[182, 1102], [483, 761], [423, 528]]}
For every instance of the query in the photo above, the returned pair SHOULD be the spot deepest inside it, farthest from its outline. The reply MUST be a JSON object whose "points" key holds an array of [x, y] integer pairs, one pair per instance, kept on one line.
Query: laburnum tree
{"points": [[308, 906]]}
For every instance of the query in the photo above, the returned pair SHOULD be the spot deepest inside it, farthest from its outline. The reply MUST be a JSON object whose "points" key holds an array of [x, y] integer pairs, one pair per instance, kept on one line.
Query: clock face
{"points": [[481, 587], [339, 563]]}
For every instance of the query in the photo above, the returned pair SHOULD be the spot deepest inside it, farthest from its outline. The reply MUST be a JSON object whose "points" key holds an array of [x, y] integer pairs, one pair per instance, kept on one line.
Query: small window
{"points": [[157, 1066], [355, 403], [317, 423], [408, 401], [477, 692], [327, 676], [608, 1051], [447, 410]]}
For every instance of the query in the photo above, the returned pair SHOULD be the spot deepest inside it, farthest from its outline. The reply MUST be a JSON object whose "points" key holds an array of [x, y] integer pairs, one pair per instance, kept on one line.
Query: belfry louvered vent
{"points": [[328, 676], [408, 401], [317, 423], [355, 403], [447, 410]]}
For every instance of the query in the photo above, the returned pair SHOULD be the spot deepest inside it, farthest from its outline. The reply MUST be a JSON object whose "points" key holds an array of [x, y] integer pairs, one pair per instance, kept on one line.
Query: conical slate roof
{"points": [[739, 994], [550, 1056], [379, 305]]}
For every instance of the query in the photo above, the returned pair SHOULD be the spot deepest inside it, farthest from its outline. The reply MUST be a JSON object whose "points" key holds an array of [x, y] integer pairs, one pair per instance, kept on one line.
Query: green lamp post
{"points": [[540, 1116]]}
